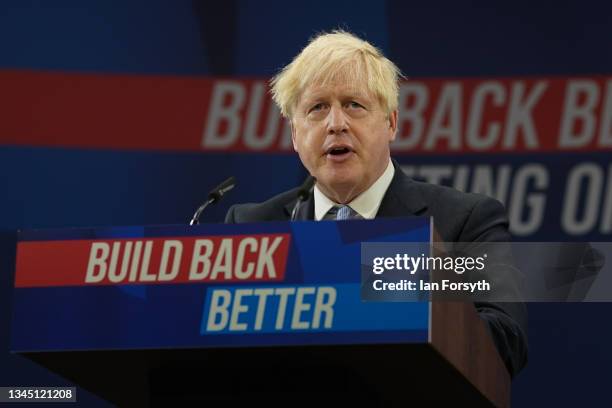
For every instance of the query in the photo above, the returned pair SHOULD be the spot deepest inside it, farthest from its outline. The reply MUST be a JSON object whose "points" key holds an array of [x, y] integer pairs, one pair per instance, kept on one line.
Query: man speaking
{"points": [[340, 95]]}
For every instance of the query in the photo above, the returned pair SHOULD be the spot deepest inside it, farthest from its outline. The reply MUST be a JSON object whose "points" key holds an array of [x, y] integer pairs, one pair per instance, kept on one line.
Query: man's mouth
{"points": [[336, 151], [339, 153]]}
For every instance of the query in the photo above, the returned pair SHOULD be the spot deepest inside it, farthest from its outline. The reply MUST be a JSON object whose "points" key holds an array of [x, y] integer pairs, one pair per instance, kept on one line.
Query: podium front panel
{"points": [[215, 285]]}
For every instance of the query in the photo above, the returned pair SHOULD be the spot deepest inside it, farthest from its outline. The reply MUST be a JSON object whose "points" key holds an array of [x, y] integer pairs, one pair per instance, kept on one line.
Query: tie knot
{"points": [[345, 212]]}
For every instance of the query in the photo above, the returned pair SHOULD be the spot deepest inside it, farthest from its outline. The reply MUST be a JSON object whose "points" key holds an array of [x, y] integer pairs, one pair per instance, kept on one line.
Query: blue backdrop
{"points": [[58, 186]]}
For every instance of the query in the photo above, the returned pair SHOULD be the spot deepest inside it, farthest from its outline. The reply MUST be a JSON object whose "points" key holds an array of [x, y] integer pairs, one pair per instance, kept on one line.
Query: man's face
{"points": [[342, 136]]}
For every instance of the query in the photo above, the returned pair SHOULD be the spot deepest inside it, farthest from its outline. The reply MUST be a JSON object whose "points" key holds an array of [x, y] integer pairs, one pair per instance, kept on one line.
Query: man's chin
{"points": [[335, 187]]}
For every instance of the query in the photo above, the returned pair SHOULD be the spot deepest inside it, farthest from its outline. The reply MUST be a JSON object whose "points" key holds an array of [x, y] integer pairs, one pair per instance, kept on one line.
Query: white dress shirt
{"points": [[365, 204]]}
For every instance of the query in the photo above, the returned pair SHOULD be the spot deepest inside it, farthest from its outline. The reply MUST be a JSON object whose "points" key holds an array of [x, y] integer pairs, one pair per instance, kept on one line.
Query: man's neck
{"points": [[366, 203], [343, 195]]}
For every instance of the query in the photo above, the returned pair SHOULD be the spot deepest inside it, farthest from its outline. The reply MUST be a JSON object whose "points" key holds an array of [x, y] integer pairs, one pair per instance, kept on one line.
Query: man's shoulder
{"points": [[448, 199], [273, 209], [461, 216]]}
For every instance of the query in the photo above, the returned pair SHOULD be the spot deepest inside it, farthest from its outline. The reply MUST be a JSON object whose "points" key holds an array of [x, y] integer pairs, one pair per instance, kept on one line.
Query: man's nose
{"points": [[336, 120]]}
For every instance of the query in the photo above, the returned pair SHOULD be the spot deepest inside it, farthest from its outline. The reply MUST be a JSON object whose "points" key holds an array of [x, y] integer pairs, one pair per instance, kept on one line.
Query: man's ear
{"points": [[392, 125], [293, 136]]}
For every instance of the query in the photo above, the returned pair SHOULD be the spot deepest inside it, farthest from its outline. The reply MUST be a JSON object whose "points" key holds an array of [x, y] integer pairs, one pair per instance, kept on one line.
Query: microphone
{"points": [[215, 195], [302, 195]]}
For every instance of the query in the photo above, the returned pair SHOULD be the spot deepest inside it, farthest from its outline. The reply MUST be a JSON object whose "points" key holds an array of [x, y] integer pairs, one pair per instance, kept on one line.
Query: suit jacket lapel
{"points": [[402, 198], [306, 210]]}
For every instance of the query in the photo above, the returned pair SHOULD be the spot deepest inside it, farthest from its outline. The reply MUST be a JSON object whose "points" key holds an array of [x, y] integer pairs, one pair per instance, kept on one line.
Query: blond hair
{"points": [[334, 56]]}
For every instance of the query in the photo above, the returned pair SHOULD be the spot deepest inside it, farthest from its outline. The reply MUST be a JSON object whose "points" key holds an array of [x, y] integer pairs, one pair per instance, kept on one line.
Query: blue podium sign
{"points": [[215, 285]]}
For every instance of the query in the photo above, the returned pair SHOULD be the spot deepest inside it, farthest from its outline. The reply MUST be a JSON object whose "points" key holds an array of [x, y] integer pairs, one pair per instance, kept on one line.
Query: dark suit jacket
{"points": [[458, 217]]}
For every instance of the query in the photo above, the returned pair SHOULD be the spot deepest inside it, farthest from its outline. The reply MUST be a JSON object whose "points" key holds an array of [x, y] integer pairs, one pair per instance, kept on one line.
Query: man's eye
{"points": [[317, 107], [355, 105]]}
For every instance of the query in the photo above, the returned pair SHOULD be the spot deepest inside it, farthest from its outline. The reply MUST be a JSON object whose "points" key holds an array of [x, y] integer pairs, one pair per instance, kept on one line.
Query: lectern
{"points": [[225, 314]]}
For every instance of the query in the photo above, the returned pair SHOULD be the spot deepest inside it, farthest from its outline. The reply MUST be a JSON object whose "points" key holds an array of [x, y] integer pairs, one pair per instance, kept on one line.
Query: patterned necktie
{"points": [[343, 212]]}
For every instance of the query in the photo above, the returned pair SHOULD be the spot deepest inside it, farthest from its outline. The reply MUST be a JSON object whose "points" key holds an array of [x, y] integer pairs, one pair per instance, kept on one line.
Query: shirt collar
{"points": [[365, 204]]}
